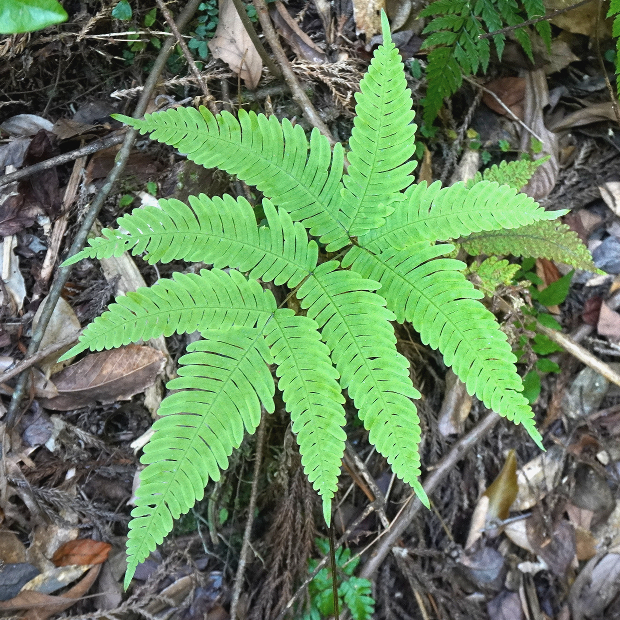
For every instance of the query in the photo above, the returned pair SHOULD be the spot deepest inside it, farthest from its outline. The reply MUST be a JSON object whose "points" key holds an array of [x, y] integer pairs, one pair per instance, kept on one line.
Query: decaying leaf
{"points": [[609, 323], [63, 324], [106, 377], [511, 91], [594, 113], [494, 505], [11, 275], [537, 478], [232, 44], [25, 125], [41, 606], [83, 551], [536, 99]]}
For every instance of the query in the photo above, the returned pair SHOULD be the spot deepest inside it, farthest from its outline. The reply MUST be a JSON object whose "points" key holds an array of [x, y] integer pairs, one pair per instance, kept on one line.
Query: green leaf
{"points": [[556, 292], [149, 18], [122, 10], [28, 15], [531, 386], [546, 365]]}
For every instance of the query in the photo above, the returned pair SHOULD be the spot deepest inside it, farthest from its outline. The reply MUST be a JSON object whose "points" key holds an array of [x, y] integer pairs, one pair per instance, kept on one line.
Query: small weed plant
{"points": [[356, 249]]}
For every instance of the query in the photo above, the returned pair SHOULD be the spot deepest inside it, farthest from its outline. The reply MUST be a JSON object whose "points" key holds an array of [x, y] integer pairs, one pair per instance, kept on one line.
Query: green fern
{"points": [[454, 36], [515, 173], [391, 269]]}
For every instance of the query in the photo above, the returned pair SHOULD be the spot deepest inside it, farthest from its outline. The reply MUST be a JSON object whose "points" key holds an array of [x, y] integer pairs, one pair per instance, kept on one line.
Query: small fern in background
{"points": [[454, 36], [614, 11], [389, 236], [354, 593]]}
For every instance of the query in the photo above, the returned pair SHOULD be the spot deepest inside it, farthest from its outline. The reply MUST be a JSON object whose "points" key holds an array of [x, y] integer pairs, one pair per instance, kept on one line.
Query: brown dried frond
{"points": [[290, 540], [14, 45], [341, 77]]}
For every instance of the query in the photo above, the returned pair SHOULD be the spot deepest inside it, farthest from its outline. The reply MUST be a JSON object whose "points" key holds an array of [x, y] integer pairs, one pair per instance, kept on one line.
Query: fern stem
{"points": [[258, 457]]}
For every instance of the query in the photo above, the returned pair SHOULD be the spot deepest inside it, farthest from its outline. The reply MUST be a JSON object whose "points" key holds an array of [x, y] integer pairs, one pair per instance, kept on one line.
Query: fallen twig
{"points": [[433, 480], [91, 215], [297, 91], [245, 546], [89, 149]]}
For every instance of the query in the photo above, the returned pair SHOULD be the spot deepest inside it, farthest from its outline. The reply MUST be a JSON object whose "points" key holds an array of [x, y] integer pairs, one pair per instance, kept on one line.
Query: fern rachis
{"points": [[391, 269]]}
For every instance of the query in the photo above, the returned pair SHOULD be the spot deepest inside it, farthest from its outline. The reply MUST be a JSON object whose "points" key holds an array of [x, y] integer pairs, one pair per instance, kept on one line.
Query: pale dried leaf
{"points": [[107, 377], [536, 98], [25, 125], [303, 46], [13, 284], [610, 192], [537, 478], [232, 44], [367, 16], [609, 323], [594, 113]]}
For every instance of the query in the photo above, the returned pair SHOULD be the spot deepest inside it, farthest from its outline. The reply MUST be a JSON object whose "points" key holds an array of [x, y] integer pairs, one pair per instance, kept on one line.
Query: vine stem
{"points": [[93, 211], [258, 457], [288, 74]]}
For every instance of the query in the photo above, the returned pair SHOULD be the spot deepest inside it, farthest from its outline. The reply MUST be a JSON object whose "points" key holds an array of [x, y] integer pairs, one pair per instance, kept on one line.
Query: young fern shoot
{"points": [[392, 269]]}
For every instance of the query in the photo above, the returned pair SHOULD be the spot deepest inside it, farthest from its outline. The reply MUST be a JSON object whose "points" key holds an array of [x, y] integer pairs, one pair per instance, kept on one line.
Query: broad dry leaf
{"points": [[547, 271], [602, 587], [593, 113], [233, 45], [610, 192], [25, 125], [367, 16], [511, 91], [580, 20], [536, 99], [609, 323], [82, 551], [43, 606], [11, 275], [106, 377], [63, 324]]}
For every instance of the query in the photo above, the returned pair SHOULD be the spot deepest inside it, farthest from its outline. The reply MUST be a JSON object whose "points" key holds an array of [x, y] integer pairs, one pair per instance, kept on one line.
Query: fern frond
{"points": [[515, 173], [187, 303], [224, 379], [437, 213], [356, 327], [491, 273], [382, 143], [444, 79], [545, 239], [308, 381], [435, 297], [217, 231], [263, 152]]}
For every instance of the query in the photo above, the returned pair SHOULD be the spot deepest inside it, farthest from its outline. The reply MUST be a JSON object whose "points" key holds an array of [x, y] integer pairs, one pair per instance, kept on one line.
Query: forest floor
{"points": [[546, 544]]}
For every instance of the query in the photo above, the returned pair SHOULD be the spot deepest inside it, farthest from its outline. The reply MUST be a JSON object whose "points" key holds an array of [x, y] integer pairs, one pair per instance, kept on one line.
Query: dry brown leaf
{"points": [[456, 404], [548, 273], [426, 167], [536, 99], [594, 113], [495, 502], [598, 591], [82, 552], [511, 90], [232, 44], [43, 606], [303, 46], [367, 16], [581, 20], [610, 192], [106, 377], [557, 548]]}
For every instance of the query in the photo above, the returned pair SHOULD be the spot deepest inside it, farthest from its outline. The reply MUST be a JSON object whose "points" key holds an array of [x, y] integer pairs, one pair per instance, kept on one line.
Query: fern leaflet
{"points": [[435, 297], [224, 380], [382, 141], [437, 213], [309, 385], [355, 325]]}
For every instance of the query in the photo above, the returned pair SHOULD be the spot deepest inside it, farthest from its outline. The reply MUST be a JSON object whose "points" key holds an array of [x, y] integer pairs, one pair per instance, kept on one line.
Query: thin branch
{"points": [[534, 20], [433, 480], [93, 211], [258, 457], [89, 149], [297, 91], [504, 106], [188, 55], [258, 44], [601, 62]]}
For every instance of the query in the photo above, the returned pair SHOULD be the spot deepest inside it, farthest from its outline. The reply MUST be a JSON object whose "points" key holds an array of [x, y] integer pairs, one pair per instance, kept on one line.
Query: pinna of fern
{"points": [[390, 268]]}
